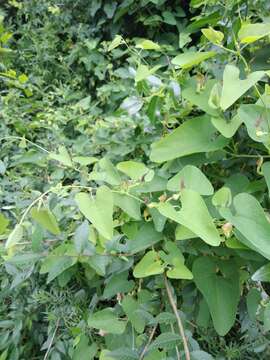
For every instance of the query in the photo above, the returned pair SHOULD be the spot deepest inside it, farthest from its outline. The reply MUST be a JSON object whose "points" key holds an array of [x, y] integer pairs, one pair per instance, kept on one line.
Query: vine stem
{"points": [[32, 204], [148, 342], [247, 155], [89, 188], [179, 321], [51, 342], [23, 138]]}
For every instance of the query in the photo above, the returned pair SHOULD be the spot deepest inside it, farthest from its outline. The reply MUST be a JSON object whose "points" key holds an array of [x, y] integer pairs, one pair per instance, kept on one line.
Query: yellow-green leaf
{"points": [[46, 219], [192, 58], [212, 35], [249, 33]]}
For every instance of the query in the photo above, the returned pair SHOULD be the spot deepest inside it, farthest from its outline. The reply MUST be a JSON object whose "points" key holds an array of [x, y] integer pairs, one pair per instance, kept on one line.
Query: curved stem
{"points": [[179, 321], [148, 342], [11, 137], [247, 155]]}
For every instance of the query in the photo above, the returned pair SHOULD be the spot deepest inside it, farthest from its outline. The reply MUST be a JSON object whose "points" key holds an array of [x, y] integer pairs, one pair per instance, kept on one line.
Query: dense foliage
{"points": [[135, 179]]}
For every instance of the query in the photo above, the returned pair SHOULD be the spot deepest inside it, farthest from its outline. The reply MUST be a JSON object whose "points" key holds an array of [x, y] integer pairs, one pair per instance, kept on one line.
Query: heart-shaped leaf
{"points": [[149, 265], [98, 210], [193, 207], [191, 177], [233, 87], [218, 281]]}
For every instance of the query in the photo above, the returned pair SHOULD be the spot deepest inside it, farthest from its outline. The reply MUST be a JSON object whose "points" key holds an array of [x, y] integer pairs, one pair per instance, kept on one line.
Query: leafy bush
{"points": [[135, 180]]}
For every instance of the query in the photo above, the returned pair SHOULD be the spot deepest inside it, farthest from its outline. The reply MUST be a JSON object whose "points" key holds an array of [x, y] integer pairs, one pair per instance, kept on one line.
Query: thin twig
{"points": [[251, 156], [179, 322], [52, 339], [176, 347], [148, 342]]}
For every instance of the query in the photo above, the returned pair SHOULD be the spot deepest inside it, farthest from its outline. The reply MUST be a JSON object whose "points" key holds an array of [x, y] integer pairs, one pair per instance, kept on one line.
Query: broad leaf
{"points": [[194, 136], [60, 259], [191, 177], [212, 35], [98, 210], [193, 207], [249, 33], [15, 236], [179, 270], [133, 169], [218, 281], [198, 94], [149, 265], [266, 174], [146, 44], [227, 128], [62, 156], [128, 204], [257, 120], [3, 223], [250, 220], [166, 340], [107, 321], [46, 219], [192, 58], [233, 87], [262, 274], [131, 307], [146, 237]]}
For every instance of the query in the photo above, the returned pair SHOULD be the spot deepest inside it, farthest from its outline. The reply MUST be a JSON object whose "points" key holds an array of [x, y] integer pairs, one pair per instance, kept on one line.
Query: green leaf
{"points": [[135, 170], [84, 351], [253, 300], [60, 259], [266, 174], [146, 44], [118, 283], [166, 340], [194, 136], [146, 237], [3, 223], [191, 177], [107, 321], [15, 236], [106, 173], [183, 233], [201, 355], [118, 40], [266, 318], [128, 204], [105, 355], [218, 281], [149, 265], [233, 88], [212, 35], [85, 160], [81, 236], [257, 120], [222, 197], [62, 156], [262, 274], [199, 95], [46, 219], [250, 220], [98, 210], [227, 128], [192, 58], [179, 270], [193, 207], [143, 71], [131, 307], [249, 33]]}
